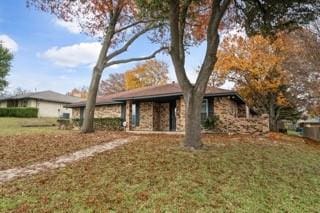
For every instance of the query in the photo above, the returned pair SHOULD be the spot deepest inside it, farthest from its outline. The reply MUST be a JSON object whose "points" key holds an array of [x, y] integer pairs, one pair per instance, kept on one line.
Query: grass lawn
{"points": [[293, 133], [14, 126], [277, 173]]}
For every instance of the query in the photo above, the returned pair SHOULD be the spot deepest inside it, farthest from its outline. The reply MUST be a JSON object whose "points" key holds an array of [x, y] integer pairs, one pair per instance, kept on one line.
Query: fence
{"points": [[312, 132]]}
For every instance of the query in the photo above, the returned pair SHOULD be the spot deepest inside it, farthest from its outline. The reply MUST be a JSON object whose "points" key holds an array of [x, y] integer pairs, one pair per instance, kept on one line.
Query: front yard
{"points": [[27, 126], [155, 174]]}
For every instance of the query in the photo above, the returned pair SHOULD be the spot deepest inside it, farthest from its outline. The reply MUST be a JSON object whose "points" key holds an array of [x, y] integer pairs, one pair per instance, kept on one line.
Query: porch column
{"points": [[128, 115], [247, 112]]}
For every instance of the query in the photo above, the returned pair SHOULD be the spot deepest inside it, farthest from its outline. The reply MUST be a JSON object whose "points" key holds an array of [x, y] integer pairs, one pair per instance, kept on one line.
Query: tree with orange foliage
{"points": [[119, 23], [149, 73], [191, 22], [256, 65]]}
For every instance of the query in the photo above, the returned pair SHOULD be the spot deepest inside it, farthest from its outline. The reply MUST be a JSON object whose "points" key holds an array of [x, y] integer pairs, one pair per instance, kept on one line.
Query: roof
{"points": [[167, 90], [45, 96]]}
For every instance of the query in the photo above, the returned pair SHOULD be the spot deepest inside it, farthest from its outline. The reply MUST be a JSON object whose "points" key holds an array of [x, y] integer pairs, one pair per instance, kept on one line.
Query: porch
{"points": [[156, 115]]}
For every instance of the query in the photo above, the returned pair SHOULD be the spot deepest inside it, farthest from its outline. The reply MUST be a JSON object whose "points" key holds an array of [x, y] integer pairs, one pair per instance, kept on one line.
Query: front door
{"points": [[172, 116]]}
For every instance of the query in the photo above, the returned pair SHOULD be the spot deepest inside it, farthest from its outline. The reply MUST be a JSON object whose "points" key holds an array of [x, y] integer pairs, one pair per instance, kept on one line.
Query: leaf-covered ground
{"points": [[21, 150], [155, 174]]}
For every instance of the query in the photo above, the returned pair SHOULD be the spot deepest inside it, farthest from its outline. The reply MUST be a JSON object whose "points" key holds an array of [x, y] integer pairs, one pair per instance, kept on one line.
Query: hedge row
{"points": [[112, 124], [20, 112]]}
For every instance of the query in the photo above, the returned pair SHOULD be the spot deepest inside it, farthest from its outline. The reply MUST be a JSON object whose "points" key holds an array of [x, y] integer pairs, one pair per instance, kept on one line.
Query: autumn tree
{"points": [[190, 22], [81, 92], [120, 25], [113, 84], [5, 65], [256, 66], [149, 73]]}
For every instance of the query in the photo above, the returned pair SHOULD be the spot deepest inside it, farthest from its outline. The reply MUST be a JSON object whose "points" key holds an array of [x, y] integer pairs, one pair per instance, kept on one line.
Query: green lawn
{"points": [[14, 126], [155, 174]]}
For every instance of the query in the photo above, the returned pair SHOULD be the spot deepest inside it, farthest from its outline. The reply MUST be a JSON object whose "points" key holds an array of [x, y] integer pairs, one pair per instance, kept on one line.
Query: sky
{"points": [[50, 54]]}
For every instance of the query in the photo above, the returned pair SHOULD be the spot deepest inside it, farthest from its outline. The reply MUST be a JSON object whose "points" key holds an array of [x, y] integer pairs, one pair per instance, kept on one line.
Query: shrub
{"points": [[20, 112], [64, 123], [211, 122], [113, 124]]}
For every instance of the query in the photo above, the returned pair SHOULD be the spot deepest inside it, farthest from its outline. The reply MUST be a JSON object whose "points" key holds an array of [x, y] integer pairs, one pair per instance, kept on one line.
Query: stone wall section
{"points": [[146, 117], [156, 116], [224, 107], [241, 110], [180, 114], [254, 126], [164, 117], [109, 111], [128, 115]]}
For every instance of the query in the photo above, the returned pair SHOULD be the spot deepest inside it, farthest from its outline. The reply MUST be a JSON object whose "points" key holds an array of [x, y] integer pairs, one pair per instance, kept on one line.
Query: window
{"points": [[24, 103], [204, 110], [135, 115]]}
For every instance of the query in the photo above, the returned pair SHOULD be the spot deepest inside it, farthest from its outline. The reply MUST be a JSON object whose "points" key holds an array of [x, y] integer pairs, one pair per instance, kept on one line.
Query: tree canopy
{"points": [[5, 65], [149, 73], [256, 66]]}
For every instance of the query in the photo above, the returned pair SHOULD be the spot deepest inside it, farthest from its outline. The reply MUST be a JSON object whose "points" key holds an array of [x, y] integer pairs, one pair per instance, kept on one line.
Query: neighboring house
{"points": [[49, 103], [162, 108]]}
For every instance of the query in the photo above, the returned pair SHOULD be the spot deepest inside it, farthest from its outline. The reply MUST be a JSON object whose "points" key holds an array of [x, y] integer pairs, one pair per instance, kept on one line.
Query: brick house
{"points": [[162, 108]]}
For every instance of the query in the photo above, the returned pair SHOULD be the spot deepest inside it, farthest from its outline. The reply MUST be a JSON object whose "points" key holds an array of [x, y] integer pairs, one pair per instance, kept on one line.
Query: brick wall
{"points": [[232, 125], [146, 117], [111, 111], [156, 116], [225, 107], [180, 114], [164, 117]]}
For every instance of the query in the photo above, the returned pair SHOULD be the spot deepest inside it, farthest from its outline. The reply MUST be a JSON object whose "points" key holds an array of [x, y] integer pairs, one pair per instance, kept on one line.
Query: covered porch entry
{"points": [[158, 114]]}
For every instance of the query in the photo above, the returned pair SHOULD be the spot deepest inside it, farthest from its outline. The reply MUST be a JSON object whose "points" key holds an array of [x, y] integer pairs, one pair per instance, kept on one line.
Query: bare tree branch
{"points": [[135, 59], [128, 43], [132, 25]]}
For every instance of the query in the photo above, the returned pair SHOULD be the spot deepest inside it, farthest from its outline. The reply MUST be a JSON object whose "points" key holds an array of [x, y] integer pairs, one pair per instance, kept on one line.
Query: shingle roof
{"points": [[45, 96], [151, 92]]}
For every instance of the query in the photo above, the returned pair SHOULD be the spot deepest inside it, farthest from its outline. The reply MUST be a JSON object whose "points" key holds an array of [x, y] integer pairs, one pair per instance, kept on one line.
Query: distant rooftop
{"points": [[45, 96]]}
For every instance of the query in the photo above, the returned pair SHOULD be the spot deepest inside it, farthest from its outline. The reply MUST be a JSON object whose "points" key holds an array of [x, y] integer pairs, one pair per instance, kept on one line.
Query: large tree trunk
{"points": [[193, 120], [272, 118], [88, 122]]}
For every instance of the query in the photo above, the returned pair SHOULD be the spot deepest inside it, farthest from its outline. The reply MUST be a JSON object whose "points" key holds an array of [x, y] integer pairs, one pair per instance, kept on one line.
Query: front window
{"points": [[135, 115], [204, 110]]}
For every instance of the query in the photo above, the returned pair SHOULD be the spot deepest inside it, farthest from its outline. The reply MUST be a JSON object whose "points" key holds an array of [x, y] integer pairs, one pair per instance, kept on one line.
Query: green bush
{"points": [[20, 112], [112, 124], [211, 122]]}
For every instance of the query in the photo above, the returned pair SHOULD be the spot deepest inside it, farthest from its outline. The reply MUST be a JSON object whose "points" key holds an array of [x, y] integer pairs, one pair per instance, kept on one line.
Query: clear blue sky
{"points": [[50, 54]]}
